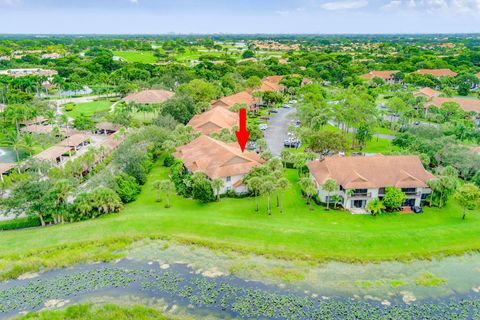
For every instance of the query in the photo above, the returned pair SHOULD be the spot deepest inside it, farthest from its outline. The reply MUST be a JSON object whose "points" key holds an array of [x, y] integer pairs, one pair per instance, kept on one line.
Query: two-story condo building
{"points": [[219, 160], [362, 179], [214, 120]]}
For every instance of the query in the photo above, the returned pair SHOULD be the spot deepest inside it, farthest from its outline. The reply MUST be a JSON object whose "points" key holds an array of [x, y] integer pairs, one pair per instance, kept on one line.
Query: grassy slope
{"points": [[136, 56], [298, 233], [89, 108]]}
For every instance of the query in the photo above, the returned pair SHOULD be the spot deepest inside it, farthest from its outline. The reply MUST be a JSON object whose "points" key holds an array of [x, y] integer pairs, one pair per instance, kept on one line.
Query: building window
{"points": [[229, 179]]}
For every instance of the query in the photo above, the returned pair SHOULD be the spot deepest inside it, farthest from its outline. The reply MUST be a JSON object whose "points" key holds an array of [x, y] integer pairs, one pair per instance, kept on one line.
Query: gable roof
{"points": [[270, 86], [74, 140], [243, 97], [149, 96], [5, 167], [427, 92], [438, 72], [371, 172], [52, 153], [214, 120], [274, 79], [386, 74], [217, 159], [478, 75], [464, 103]]}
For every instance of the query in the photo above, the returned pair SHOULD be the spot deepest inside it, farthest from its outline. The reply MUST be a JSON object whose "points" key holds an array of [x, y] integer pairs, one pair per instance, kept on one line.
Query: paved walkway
{"points": [[278, 129]]}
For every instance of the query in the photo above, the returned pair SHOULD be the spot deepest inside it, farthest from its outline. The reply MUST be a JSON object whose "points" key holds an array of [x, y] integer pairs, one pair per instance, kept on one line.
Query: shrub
{"points": [[168, 161], [127, 187], [20, 223], [69, 106]]}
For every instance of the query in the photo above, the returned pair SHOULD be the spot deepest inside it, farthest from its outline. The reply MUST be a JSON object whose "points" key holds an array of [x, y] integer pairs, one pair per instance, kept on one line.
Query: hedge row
{"points": [[20, 223]]}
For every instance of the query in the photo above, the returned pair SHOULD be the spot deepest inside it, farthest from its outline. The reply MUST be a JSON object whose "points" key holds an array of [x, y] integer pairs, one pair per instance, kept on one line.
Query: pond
{"points": [[7, 155], [201, 283]]}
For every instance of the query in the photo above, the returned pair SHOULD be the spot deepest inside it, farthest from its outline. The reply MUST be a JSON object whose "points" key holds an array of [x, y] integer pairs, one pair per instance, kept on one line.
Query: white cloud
{"points": [[344, 5], [435, 6]]}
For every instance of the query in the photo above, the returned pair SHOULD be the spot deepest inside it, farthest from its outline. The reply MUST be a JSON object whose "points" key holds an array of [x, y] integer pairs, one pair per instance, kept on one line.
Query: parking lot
{"points": [[277, 130]]}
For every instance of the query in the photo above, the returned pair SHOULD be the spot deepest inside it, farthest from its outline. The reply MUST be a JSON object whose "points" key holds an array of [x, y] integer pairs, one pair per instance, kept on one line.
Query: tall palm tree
{"points": [[254, 184], [217, 185], [268, 187], [282, 185], [168, 187], [330, 185], [308, 187], [157, 186]]}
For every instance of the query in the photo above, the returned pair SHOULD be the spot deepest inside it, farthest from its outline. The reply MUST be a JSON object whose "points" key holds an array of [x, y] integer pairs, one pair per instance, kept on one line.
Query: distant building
{"points": [[53, 55], [388, 75], [362, 179], [214, 120], [464, 103], [437, 73], [219, 160], [427, 92], [150, 96], [243, 97], [16, 73]]}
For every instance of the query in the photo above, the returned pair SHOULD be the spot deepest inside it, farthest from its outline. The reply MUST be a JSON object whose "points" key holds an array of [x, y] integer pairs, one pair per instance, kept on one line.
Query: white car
{"points": [[263, 126]]}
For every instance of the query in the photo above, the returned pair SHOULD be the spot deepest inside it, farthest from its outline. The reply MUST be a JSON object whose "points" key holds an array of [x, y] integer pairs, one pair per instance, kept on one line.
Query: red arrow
{"points": [[242, 134]]}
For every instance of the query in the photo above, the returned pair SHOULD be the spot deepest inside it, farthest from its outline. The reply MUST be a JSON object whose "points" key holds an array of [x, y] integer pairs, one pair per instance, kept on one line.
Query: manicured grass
{"points": [[137, 56], [376, 145], [301, 232], [90, 108], [89, 312]]}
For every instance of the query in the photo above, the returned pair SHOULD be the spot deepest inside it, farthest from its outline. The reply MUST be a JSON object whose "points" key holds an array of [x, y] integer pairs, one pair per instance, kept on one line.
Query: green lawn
{"points": [[90, 108], [137, 56], [301, 232]]}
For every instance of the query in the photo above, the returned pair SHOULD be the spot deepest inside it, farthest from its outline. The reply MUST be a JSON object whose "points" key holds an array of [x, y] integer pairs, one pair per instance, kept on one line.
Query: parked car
{"points": [[263, 126], [287, 106], [273, 111], [292, 101]]}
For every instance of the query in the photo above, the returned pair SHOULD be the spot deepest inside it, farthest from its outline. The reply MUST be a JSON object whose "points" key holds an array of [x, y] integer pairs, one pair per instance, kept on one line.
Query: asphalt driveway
{"points": [[278, 129]]}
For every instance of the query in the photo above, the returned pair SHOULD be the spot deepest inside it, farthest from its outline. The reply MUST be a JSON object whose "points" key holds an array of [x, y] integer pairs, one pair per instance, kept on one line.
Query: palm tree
{"points": [[282, 185], [299, 162], [286, 157], [308, 187], [217, 185], [268, 187], [261, 144], [168, 187], [375, 206], [157, 186], [254, 184], [330, 185]]}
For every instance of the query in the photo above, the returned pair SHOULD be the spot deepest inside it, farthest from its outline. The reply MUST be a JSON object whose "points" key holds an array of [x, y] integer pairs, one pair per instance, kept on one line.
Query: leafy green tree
{"points": [[105, 200], [327, 142], [182, 108], [202, 188], [127, 187], [394, 198], [168, 187], [364, 134], [308, 188], [468, 196], [375, 206]]}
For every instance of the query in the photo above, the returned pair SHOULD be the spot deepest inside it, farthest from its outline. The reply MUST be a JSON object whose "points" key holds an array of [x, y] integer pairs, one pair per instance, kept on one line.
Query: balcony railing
{"points": [[413, 194], [361, 195]]}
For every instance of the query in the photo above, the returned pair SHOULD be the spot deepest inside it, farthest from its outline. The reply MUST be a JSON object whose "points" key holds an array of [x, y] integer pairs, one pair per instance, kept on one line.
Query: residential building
{"points": [[271, 86], [427, 92], [214, 120], [55, 155], [5, 169], [219, 160], [387, 75], [243, 97], [464, 103], [437, 73], [76, 141], [362, 179], [16, 73], [106, 128], [52, 55], [150, 96]]}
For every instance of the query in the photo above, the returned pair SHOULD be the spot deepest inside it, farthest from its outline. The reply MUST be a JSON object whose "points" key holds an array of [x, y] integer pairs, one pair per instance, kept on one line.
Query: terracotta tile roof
{"points": [[271, 86], [478, 75], [35, 120], [47, 129], [387, 74], [16, 73], [107, 126], [437, 72], [149, 96], [5, 167], [427, 92], [52, 153], [248, 59], [274, 79], [464, 103], [214, 120], [113, 141], [371, 172], [74, 140], [217, 159], [243, 97]]}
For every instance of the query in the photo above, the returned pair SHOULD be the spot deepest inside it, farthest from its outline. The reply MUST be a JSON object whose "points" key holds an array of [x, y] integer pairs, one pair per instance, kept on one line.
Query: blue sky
{"points": [[239, 16]]}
